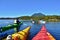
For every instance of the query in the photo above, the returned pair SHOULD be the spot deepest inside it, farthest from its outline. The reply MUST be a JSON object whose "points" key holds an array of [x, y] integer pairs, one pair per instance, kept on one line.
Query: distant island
{"points": [[40, 16]]}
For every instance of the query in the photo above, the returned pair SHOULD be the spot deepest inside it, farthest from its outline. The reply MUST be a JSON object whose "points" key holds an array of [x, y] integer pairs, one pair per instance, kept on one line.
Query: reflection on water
{"points": [[52, 27]]}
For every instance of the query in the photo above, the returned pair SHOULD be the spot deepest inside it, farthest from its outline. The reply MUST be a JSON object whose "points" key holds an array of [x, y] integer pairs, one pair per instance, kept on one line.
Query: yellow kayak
{"points": [[22, 35]]}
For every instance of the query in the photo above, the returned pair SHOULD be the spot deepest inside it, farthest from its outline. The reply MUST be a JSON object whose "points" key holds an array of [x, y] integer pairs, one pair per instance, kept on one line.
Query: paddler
{"points": [[17, 22]]}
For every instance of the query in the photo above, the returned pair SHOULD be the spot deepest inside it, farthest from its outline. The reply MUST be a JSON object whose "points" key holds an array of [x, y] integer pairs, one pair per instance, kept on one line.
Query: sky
{"points": [[16, 8]]}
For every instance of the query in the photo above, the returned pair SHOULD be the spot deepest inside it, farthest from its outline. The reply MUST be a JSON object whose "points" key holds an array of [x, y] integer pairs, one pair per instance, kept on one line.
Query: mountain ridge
{"points": [[38, 14]]}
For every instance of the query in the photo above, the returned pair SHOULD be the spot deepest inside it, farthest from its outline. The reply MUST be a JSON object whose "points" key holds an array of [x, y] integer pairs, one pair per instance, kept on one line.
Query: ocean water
{"points": [[52, 27]]}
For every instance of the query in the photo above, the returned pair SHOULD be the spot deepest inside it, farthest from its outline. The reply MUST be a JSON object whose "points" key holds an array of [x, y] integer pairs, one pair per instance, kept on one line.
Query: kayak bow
{"points": [[43, 35], [22, 35]]}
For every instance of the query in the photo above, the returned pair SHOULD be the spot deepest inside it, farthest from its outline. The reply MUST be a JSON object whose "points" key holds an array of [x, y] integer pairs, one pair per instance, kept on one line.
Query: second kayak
{"points": [[22, 35]]}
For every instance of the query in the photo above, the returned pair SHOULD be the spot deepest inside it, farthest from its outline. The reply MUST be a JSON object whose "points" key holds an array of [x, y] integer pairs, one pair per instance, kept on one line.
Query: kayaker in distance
{"points": [[17, 22]]}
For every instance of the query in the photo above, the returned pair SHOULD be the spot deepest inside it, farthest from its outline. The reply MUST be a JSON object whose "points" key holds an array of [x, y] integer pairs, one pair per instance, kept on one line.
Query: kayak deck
{"points": [[43, 35]]}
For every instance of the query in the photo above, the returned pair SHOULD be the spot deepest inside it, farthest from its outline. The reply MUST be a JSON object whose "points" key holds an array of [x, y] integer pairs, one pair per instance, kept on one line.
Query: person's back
{"points": [[17, 21]]}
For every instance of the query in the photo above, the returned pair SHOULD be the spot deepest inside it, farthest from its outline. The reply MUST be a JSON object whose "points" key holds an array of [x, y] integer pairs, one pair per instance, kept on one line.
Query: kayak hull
{"points": [[43, 35], [22, 34]]}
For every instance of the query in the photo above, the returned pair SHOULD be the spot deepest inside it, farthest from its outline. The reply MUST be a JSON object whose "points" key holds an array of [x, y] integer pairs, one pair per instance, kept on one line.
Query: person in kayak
{"points": [[16, 21], [18, 24]]}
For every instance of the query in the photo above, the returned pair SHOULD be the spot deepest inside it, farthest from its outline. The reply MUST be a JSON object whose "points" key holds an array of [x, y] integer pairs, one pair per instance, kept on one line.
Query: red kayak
{"points": [[43, 35]]}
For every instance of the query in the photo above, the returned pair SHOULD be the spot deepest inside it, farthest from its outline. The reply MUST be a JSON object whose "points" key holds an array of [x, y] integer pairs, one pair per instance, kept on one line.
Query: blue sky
{"points": [[16, 8]]}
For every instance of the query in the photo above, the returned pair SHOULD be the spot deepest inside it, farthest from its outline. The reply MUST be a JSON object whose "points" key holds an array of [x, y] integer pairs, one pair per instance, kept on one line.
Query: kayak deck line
{"points": [[43, 34], [50, 36]]}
